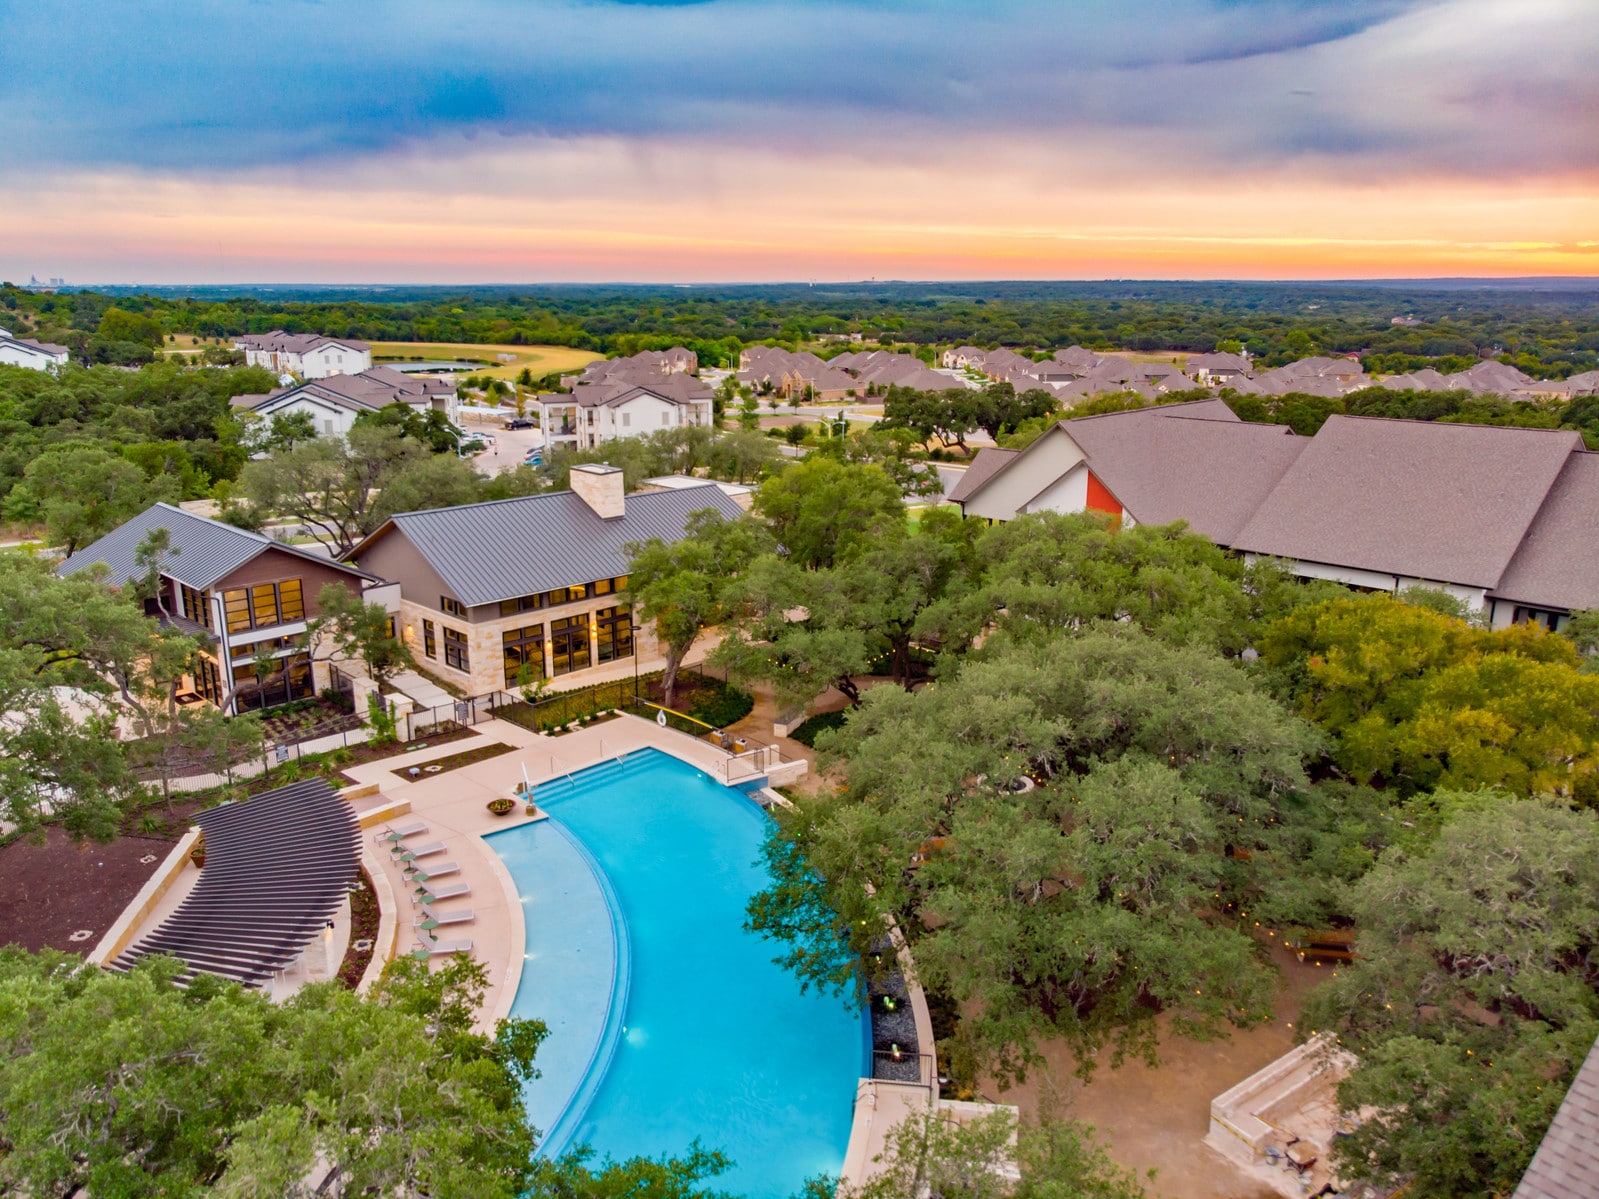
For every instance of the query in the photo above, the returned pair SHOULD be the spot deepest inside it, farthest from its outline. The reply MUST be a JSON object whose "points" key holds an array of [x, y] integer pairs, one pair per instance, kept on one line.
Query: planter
{"points": [[531, 810], [501, 807]]}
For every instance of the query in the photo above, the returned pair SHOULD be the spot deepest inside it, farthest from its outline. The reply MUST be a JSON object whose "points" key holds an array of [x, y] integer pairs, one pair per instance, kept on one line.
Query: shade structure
{"points": [[277, 867]]}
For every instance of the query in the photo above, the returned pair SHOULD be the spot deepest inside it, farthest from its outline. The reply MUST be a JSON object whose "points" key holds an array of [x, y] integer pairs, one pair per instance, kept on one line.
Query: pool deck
{"points": [[453, 805]]}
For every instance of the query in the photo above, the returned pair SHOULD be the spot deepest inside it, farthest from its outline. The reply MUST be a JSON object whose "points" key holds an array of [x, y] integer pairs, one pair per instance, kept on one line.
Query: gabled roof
{"points": [[207, 550], [508, 548], [990, 460], [365, 391], [1211, 473], [1566, 1165], [33, 345], [295, 343], [1545, 571], [1414, 498]]}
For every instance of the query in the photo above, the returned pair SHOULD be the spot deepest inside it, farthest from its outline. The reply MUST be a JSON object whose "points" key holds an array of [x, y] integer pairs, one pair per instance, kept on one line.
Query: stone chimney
{"points": [[600, 487]]}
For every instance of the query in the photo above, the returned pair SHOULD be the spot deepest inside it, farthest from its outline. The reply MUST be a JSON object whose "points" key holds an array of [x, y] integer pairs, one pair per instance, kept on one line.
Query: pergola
{"points": [[277, 867]]}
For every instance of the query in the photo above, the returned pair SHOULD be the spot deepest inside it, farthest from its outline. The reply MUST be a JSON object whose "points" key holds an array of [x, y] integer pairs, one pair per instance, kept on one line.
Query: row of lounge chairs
{"points": [[422, 875]]}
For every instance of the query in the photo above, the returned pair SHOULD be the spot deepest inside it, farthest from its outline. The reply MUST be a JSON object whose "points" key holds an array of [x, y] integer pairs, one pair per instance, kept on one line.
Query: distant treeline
{"points": [[1551, 332]]}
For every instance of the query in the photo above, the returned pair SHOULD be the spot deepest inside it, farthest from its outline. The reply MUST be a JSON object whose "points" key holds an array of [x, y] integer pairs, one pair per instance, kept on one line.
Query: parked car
{"points": [[521, 422]]}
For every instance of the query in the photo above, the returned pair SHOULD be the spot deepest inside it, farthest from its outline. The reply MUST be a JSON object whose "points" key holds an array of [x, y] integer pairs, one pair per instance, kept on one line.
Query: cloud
{"points": [[1362, 85]]}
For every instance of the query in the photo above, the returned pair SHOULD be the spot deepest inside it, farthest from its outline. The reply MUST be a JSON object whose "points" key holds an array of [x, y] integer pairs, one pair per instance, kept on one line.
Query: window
{"points": [[666, 418], [196, 605], [455, 653], [207, 679], [263, 605], [627, 420], [290, 680], [429, 645], [525, 603], [451, 607], [569, 638], [523, 646], [604, 586], [613, 634]]}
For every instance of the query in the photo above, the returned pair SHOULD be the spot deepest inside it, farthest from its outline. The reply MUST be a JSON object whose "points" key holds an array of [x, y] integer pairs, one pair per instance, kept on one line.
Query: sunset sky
{"points": [[567, 140]]}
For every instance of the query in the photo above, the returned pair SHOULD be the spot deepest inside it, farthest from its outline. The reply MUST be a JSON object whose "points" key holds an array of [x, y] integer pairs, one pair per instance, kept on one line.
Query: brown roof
{"points": [[1566, 1165], [1556, 566], [1424, 500], [1212, 473], [989, 462], [295, 343]]}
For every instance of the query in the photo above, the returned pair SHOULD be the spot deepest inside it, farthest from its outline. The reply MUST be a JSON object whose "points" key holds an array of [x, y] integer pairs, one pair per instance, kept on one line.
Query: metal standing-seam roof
{"points": [[206, 550], [508, 548], [277, 867]]}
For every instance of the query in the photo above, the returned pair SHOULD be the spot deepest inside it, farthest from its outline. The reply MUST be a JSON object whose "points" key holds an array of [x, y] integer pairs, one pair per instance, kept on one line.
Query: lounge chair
{"points": [[395, 833], [432, 947], [420, 874], [426, 896], [429, 919], [405, 853]]}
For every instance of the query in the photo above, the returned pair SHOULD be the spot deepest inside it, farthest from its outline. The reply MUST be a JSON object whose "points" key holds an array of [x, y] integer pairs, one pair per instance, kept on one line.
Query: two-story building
{"points": [[595, 413], [308, 355], [489, 589], [333, 403], [245, 596], [32, 354]]}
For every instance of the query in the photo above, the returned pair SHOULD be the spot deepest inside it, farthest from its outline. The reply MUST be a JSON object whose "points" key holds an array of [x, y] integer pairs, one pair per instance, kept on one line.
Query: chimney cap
{"points": [[597, 468]]}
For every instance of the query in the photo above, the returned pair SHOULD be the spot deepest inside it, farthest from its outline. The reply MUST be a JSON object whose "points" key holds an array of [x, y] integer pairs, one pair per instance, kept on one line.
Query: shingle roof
{"points": [[1566, 1165], [990, 460], [295, 343], [1211, 473], [1545, 570], [1425, 500], [508, 548], [29, 343], [208, 550]]}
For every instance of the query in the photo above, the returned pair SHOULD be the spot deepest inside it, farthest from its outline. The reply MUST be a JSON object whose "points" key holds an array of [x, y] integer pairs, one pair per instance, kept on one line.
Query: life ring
{"points": [[660, 719]]}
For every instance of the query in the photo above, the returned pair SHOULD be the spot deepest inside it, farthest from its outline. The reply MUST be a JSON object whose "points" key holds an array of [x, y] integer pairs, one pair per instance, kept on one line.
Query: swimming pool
{"points": [[668, 1021]]}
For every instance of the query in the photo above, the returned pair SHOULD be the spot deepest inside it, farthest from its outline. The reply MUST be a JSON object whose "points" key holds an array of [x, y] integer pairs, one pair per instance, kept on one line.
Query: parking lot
{"points": [[509, 448]]}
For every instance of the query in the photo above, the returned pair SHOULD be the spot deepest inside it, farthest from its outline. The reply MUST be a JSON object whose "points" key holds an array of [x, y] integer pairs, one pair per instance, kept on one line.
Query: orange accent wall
{"points": [[1100, 498]]}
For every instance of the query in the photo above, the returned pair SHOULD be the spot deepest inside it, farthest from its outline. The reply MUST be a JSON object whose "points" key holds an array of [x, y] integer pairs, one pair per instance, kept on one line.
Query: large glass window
{"points": [[236, 605], [525, 603], [290, 680], [524, 645], [613, 634], [291, 601], [263, 605], [569, 640], [451, 607], [430, 645], [455, 651], [196, 605], [207, 679]]}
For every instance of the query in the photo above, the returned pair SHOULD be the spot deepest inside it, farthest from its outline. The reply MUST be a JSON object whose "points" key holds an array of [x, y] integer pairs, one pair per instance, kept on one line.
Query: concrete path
{"points": [[424, 694]]}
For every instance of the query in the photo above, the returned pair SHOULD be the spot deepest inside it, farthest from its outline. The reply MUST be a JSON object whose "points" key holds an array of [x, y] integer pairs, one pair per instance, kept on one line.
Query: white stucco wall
{"points": [[334, 360], [1069, 493], [13, 354]]}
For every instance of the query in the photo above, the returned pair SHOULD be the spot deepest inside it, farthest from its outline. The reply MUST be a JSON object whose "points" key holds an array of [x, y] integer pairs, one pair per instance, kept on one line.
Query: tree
{"points": [[83, 492], [929, 1154], [117, 324], [279, 433], [749, 413], [356, 629], [742, 456], [342, 489], [430, 426], [681, 586], [1472, 1002], [152, 553], [1418, 699], [821, 511], [1050, 825]]}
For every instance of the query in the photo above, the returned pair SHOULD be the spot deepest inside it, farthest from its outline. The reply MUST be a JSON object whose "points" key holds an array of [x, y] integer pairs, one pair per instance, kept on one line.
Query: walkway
{"points": [[424, 693]]}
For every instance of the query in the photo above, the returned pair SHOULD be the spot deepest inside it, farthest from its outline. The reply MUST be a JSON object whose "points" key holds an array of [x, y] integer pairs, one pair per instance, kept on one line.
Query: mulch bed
{"points": [[363, 927], [563, 730], [440, 734], [455, 761], [61, 887]]}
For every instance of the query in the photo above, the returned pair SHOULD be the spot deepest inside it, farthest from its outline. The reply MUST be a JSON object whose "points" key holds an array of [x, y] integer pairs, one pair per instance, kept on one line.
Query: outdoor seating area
{"points": [[424, 891]]}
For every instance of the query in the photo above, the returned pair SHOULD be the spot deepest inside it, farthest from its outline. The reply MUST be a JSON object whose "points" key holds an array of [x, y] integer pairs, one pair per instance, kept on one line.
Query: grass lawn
{"points": [[500, 362]]}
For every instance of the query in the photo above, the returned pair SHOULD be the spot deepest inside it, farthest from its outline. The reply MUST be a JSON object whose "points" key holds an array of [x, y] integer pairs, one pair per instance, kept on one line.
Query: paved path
{"points": [[422, 692]]}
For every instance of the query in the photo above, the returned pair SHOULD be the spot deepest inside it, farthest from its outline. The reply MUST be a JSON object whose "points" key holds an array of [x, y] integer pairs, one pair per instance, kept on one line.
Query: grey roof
{"points": [[990, 460], [509, 548], [1557, 566], [208, 549], [295, 343], [29, 343], [1211, 473], [1420, 499], [1566, 1165]]}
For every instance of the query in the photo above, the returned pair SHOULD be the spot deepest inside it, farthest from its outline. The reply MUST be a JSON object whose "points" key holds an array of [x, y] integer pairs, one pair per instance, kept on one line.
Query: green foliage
{"points": [[719, 705], [82, 492], [954, 412], [822, 511], [356, 629], [815, 726], [384, 726], [1472, 1002], [1418, 699]]}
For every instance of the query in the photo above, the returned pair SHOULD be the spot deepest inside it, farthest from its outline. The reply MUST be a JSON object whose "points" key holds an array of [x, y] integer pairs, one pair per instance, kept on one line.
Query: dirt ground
{"points": [[60, 888], [1157, 1118]]}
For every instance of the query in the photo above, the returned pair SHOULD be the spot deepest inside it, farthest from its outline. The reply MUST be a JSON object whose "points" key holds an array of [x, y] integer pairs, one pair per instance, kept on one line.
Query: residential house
{"points": [[308, 355], [334, 402], [594, 413], [644, 367], [1566, 1165], [34, 355], [244, 595], [488, 589], [1501, 518], [1217, 369]]}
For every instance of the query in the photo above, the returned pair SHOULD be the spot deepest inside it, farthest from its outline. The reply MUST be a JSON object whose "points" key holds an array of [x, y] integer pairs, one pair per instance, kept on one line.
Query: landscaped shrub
{"points": [[807, 733], [719, 704]]}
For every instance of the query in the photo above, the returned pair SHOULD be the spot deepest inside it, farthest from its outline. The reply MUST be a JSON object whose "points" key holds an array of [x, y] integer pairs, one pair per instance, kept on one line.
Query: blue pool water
{"points": [[668, 1021]]}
